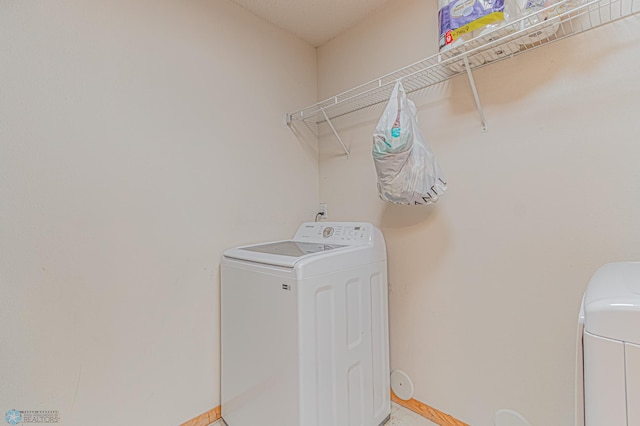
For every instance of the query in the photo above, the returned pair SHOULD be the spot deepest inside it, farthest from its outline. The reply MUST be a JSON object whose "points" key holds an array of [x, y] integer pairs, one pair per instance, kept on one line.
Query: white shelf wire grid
{"points": [[556, 22]]}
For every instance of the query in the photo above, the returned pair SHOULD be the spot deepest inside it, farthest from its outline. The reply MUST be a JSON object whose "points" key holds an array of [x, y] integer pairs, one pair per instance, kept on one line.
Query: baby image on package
{"points": [[459, 17]]}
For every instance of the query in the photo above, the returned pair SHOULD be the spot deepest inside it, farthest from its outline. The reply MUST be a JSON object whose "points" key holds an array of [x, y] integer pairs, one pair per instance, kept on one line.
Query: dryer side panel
{"points": [[632, 358], [604, 382]]}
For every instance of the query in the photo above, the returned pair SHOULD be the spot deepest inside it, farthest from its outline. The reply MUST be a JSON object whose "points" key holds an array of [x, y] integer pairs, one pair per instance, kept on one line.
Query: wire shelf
{"points": [[556, 22]]}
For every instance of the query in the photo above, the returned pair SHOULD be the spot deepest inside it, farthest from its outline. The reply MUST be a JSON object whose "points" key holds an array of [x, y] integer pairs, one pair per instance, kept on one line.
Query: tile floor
{"points": [[400, 416]]}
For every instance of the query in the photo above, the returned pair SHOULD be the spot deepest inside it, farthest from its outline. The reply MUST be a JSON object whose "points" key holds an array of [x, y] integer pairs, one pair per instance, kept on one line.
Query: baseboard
{"points": [[427, 412], [205, 419]]}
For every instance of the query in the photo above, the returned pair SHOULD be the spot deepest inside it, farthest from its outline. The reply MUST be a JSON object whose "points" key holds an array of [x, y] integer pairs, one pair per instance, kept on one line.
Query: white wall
{"points": [[138, 139], [486, 285]]}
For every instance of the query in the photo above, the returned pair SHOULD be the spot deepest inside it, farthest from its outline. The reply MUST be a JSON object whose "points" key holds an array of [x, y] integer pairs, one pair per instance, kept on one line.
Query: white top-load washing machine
{"points": [[305, 329], [611, 310]]}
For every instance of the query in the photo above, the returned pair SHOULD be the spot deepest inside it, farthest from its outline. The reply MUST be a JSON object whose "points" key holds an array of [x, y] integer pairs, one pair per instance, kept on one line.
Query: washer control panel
{"points": [[346, 233]]}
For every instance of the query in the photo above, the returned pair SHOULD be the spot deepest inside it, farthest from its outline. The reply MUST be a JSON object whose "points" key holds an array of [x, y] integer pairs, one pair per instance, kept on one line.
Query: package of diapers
{"points": [[459, 18]]}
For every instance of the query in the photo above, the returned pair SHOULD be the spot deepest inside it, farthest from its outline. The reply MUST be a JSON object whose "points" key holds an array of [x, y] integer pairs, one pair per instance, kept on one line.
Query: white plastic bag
{"points": [[407, 169]]}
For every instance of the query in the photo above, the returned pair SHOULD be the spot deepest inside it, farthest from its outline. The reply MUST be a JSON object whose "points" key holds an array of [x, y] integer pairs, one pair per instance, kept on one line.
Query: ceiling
{"points": [[314, 21]]}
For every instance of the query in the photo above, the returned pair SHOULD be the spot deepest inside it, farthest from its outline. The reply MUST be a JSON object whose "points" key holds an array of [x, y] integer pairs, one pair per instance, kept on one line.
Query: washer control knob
{"points": [[328, 231]]}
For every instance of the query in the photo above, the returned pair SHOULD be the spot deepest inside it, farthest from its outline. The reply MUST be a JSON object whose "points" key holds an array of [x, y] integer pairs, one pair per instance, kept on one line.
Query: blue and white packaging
{"points": [[457, 18]]}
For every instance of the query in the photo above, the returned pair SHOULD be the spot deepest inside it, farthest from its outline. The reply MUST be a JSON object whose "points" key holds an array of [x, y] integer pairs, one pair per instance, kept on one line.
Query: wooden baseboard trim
{"points": [[205, 419], [427, 412]]}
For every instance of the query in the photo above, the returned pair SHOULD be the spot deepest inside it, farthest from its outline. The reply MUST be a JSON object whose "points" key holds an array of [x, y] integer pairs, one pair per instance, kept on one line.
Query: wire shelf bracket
{"points": [[289, 121], [335, 132], [476, 97]]}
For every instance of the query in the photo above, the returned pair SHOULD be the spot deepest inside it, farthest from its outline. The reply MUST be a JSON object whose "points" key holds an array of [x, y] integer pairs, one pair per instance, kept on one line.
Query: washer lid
{"points": [[280, 253], [612, 302], [291, 248]]}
